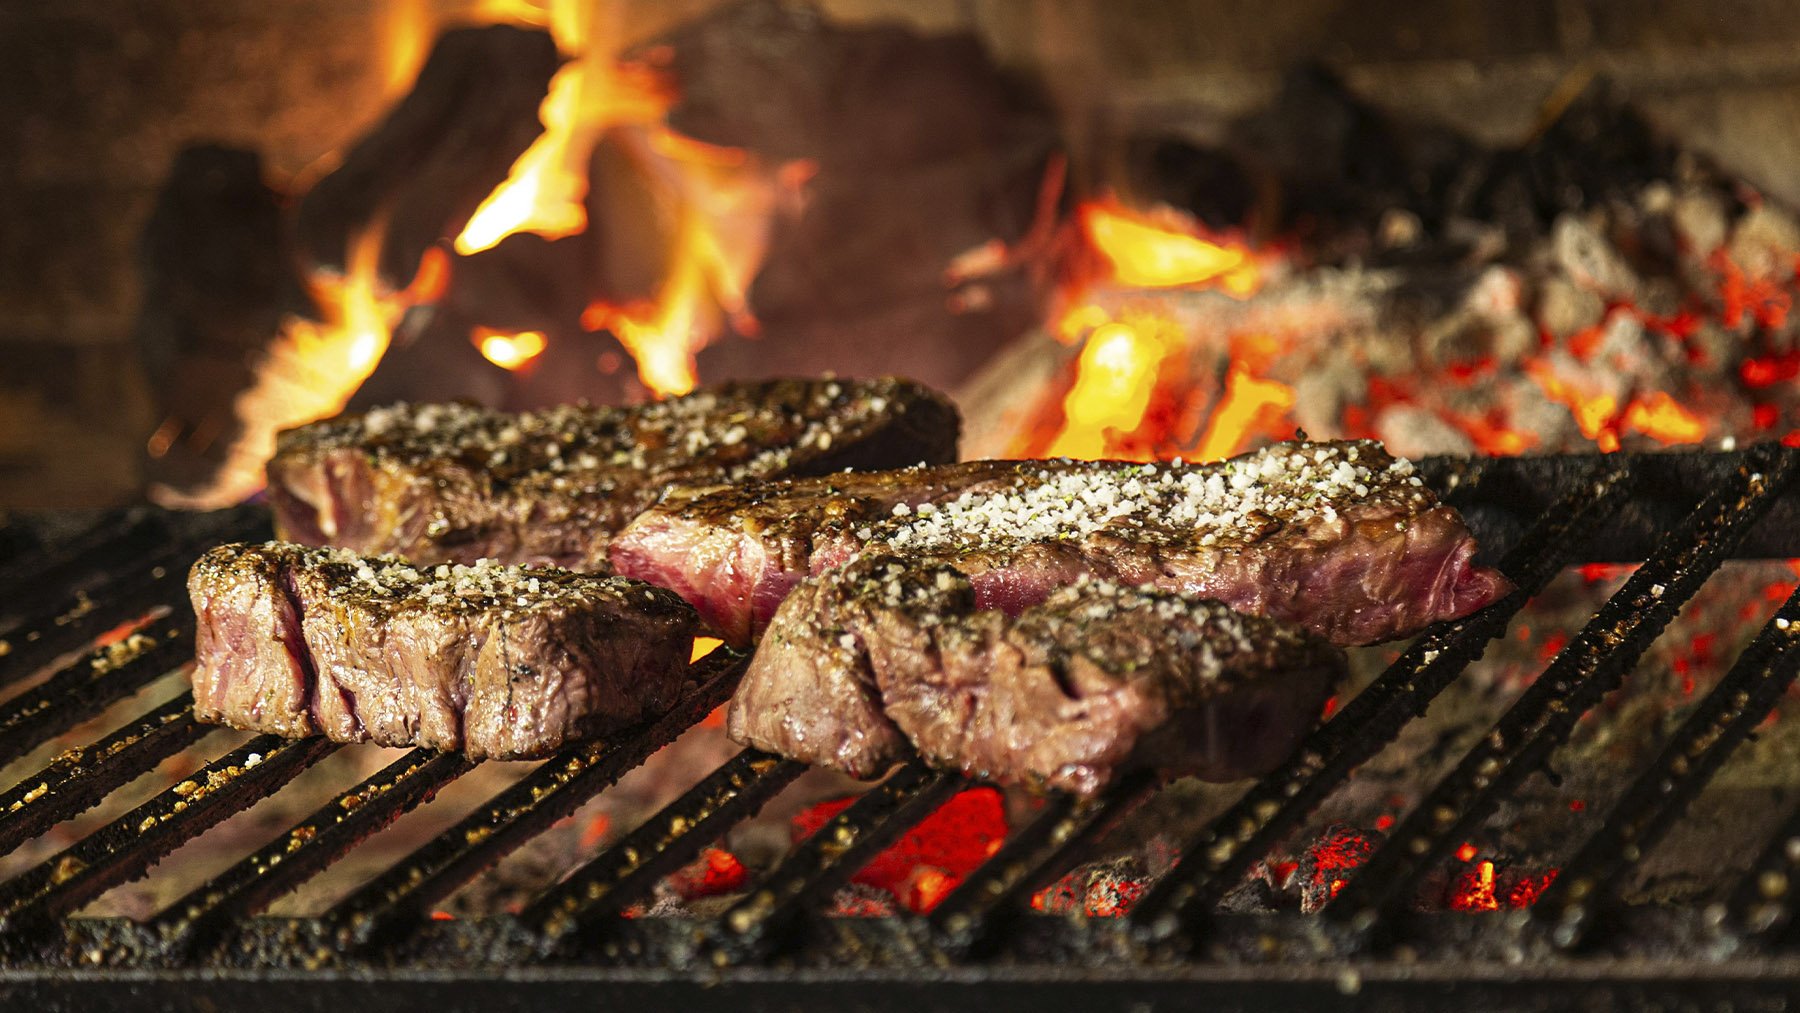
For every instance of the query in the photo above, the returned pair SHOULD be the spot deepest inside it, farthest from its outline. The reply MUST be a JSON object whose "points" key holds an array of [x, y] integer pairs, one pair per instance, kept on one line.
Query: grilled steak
{"points": [[497, 661], [454, 483], [1336, 537], [1096, 680]]}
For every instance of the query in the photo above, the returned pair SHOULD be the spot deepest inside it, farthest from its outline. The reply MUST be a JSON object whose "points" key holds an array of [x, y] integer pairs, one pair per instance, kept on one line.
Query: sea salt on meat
{"points": [[866, 664], [1337, 537], [493, 660], [456, 483]]}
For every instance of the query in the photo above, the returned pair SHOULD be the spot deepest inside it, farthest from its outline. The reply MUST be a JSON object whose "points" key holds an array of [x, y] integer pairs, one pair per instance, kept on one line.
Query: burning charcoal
{"points": [[1589, 259], [955, 839], [1330, 862], [715, 873], [859, 900], [1566, 309], [1106, 889], [438, 153], [216, 287], [1411, 431]]}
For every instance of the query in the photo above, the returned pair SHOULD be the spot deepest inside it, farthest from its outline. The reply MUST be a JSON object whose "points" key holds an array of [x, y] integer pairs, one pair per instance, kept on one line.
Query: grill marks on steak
{"points": [[865, 662], [497, 661], [457, 483], [1337, 537]]}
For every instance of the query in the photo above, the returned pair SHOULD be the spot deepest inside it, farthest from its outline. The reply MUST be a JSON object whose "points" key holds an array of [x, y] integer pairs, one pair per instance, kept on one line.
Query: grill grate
{"points": [[1682, 514]]}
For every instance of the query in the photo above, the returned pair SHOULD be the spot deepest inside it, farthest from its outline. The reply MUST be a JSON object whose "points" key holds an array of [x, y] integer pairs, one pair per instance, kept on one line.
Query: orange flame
{"points": [[1165, 250], [1598, 415], [313, 367], [722, 199], [511, 351], [1117, 400]]}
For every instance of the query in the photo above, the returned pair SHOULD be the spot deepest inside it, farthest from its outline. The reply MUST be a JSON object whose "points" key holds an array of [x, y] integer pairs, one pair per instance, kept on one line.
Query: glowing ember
{"points": [[1474, 891], [509, 351], [715, 872], [953, 841]]}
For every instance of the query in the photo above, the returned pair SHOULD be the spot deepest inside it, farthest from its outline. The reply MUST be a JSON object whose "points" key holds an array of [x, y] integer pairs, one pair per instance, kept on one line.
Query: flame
{"points": [[313, 367], [509, 351], [1116, 373], [543, 191], [405, 25], [721, 197], [1127, 373], [1601, 419], [1165, 250]]}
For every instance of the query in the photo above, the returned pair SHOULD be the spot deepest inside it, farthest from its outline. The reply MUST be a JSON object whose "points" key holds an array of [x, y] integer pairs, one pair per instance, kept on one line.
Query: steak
{"points": [[457, 483], [1338, 537], [869, 662], [497, 661]]}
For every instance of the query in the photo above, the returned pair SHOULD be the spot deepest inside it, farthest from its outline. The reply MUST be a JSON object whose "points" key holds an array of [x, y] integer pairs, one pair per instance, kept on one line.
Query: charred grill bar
{"points": [[1682, 514]]}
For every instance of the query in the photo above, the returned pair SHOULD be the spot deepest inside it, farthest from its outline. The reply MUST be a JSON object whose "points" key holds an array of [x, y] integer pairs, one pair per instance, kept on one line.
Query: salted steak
{"points": [[884, 657], [457, 483], [1337, 537], [496, 661]]}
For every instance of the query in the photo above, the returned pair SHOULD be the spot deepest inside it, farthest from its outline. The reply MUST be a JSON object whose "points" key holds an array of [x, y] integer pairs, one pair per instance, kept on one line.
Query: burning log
{"points": [[438, 153], [867, 126], [215, 257]]}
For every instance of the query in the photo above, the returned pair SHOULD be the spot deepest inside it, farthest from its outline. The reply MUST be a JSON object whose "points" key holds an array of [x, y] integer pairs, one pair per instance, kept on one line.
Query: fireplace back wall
{"points": [[99, 97]]}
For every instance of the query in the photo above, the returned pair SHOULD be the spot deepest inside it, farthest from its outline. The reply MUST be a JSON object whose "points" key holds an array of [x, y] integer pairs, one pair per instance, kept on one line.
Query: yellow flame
{"points": [[543, 191], [311, 369], [509, 350], [405, 25], [1247, 404], [1116, 375], [1150, 252]]}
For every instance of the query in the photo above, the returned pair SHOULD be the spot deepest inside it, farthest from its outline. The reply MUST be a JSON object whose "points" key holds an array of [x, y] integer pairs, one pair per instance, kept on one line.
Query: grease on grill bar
{"points": [[1548, 514]]}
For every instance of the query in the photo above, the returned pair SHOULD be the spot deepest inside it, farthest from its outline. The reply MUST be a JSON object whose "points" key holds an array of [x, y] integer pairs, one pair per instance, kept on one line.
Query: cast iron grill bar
{"points": [[66, 564], [1220, 856], [78, 779], [1761, 904], [1033, 857], [87, 685], [308, 848], [1591, 666], [665, 842], [1588, 885], [399, 898], [817, 866], [128, 846], [128, 588]]}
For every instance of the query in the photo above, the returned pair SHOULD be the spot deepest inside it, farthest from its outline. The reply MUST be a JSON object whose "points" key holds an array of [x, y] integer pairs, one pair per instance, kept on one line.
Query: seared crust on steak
{"points": [[456, 483], [496, 661], [1337, 537], [1097, 680]]}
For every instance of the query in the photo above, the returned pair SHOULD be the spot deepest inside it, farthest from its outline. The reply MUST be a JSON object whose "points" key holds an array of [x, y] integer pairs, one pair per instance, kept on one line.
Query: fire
{"points": [[313, 367], [1115, 376], [509, 351], [1601, 419], [720, 198], [1165, 250], [543, 192], [1127, 386]]}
